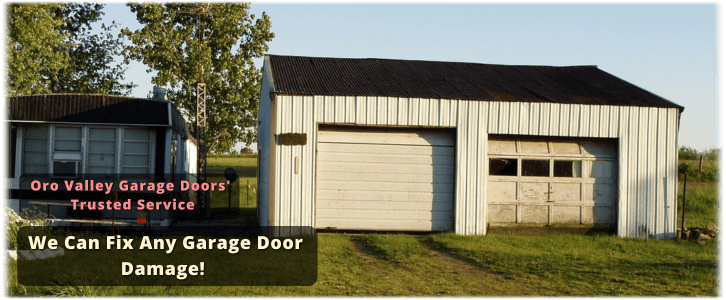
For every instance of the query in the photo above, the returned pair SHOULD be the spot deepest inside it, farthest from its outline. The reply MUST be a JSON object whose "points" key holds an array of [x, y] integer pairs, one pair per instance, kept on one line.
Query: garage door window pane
{"points": [[568, 168], [136, 153], [536, 167], [102, 151], [68, 139], [503, 166], [35, 150]]}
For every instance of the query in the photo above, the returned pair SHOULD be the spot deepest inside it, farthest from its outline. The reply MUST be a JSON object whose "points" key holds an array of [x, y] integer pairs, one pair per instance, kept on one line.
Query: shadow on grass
{"points": [[364, 245], [368, 250], [539, 230], [429, 242]]}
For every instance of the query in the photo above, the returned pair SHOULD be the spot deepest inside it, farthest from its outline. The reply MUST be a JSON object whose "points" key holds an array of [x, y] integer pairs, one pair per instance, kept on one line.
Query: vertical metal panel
{"points": [[453, 112], [459, 194], [434, 112], [482, 168], [284, 217], [660, 196], [584, 118], [615, 125], [383, 110], [652, 168], [535, 127], [514, 117], [493, 113], [593, 121], [296, 116], [473, 148], [623, 182], [368, 110], [575, 118], [276, 209], [263, 141], [504, 117], [604, 121], [445, 110], [555, 123], [307, 158], [545, 124], [635, 169], [423, 111], [360, 109], [673, 121], [523, 126], [639, 163], [393, 108]]}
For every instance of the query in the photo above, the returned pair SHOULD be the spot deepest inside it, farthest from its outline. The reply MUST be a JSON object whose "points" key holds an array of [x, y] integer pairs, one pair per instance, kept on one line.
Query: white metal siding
{"points": [[384, 179], [263, 142], [294, 196]]}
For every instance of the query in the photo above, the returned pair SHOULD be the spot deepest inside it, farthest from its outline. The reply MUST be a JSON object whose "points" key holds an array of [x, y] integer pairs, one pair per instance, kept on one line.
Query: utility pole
{"points": [[203, 201]]}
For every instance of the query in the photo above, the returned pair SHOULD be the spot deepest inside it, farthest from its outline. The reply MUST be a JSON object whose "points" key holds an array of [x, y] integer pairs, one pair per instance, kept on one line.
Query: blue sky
{"points": [[667, 49]]}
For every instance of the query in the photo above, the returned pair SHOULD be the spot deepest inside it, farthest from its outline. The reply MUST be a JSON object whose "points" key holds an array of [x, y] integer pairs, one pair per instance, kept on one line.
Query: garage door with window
{"points": [[385, 179], [552, 180]]}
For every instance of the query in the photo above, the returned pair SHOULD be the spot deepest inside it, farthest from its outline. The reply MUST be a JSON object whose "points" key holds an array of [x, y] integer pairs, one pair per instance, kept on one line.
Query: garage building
{"points": [[401, 145]]}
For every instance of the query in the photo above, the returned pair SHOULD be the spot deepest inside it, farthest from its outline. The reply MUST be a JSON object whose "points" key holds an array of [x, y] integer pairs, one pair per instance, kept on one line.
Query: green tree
{"points": [[170, 43], [51, 49], [37, 50], [687, 153], [91, 69]]}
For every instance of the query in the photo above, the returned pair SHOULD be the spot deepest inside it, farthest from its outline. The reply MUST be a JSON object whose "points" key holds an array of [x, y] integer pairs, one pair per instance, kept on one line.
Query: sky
{"points": [[667, 49]]}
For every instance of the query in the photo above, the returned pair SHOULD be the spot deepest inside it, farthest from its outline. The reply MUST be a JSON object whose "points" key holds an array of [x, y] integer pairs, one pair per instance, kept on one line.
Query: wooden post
{"points": [[683, 215], [700, 164]]}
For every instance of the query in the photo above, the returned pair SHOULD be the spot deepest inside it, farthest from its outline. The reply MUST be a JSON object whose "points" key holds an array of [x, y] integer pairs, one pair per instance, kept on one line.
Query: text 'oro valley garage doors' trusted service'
{"points": [[539, 180], [385, 179]]}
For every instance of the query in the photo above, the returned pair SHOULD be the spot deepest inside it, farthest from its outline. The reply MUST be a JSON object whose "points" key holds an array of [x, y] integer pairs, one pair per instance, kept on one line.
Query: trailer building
{"points": [[56, 138]]}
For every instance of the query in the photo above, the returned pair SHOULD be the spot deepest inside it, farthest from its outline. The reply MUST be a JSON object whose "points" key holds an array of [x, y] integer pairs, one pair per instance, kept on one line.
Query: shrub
{"points": [[27, 217], [687, 153]]}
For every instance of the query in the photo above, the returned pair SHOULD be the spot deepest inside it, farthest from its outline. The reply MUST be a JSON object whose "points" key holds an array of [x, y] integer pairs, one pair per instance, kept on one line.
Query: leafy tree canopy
{"points": [[51, 49], [222, 38], [34, 40], [92, 69]]}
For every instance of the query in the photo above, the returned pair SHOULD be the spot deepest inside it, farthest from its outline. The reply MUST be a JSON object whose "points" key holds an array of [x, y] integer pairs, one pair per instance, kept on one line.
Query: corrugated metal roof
{"points": [[86, 108], [299, 75]]}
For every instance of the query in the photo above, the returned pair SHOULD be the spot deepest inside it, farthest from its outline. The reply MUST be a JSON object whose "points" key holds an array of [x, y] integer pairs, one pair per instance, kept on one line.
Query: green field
{"points": [[447, 264], [701, 195], [246, 167]]}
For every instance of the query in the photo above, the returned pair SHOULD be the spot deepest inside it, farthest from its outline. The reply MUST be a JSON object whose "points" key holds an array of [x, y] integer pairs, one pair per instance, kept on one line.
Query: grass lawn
{"points": [[447, 264]]}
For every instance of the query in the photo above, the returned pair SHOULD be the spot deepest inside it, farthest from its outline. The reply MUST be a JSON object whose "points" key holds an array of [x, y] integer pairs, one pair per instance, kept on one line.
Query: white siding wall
{"points": [[647, 150], [263, 141]]}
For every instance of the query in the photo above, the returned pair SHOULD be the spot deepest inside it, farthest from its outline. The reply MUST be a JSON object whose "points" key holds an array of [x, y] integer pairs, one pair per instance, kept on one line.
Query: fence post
{"points": [[700, 164], [683, 215]]}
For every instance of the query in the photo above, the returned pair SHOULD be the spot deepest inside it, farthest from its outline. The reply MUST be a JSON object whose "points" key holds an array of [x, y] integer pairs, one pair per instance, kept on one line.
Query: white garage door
{"points": [[552, 180], [385, 179]]}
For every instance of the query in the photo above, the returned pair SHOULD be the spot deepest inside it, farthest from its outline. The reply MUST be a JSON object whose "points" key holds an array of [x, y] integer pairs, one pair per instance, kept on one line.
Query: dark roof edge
{"points": [[680, 107], [435, 61]]}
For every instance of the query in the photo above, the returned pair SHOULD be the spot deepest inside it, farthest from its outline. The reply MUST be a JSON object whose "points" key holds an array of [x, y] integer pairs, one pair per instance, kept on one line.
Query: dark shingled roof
{"points": [[299, 75], [87, 108]]}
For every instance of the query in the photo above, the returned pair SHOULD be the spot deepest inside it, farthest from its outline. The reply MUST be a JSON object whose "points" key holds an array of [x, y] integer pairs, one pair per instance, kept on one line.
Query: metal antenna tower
{"points": [[201, 116]]}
